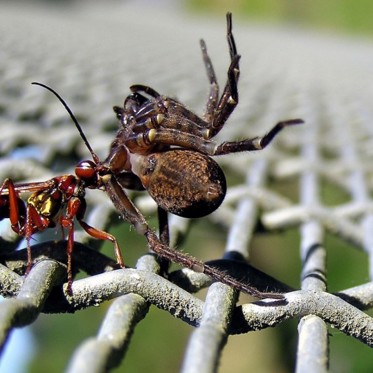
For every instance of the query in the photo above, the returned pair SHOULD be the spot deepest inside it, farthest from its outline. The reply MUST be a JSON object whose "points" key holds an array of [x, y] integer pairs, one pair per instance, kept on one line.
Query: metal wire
{"points": [[91, 56]]}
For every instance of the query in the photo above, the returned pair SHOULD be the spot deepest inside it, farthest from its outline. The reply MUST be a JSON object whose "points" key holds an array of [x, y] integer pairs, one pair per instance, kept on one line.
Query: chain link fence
{"points": [[313, 184]]}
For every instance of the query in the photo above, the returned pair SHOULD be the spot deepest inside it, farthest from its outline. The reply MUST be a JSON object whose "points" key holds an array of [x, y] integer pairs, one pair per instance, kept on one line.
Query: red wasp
{"points": [[161, 147], [59, 200]]}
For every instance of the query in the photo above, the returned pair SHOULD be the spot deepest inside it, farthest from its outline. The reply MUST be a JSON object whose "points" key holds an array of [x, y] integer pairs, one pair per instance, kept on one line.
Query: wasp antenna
{"points": [[72, 116]]}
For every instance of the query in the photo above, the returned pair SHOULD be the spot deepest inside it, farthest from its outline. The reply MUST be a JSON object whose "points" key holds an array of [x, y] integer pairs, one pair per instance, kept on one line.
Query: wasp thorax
{"points": [[183, 182], [46, 203]]}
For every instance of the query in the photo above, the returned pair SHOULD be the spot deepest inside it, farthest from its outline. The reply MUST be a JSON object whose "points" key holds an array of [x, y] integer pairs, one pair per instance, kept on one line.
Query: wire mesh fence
{"points": [[313, 184]]}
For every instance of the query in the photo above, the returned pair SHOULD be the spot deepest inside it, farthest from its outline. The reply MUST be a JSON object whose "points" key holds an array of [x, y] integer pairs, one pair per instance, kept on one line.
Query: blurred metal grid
{"points": [[91, 56]]}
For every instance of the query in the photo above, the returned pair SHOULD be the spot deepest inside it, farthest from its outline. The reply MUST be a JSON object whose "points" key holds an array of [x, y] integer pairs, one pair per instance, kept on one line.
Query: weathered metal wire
{"points": [[294, 75]]}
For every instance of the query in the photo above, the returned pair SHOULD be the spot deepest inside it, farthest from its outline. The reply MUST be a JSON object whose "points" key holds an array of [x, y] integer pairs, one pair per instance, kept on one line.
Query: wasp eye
{"points": [[86, 170]]}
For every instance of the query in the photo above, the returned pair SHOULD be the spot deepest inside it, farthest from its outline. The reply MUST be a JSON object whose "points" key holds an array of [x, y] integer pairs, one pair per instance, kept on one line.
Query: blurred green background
{"points": [[271, 350], [346, 16]]}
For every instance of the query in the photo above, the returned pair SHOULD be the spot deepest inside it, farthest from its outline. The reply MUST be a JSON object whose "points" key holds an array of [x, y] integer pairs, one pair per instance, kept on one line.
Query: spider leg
{"points": [[212, 101], [136, 88], [164, 238], [164, 231], [134, 101], [230, 38], [162, 112], [124, 205], [131, 214], [131, 105], [256, 143], [166, 113], [128, 180], [173, 137], [229, 99]]}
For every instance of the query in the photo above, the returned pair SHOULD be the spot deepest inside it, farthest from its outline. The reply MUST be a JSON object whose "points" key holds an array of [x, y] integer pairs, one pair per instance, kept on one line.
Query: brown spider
{"points": [[166, 149]]}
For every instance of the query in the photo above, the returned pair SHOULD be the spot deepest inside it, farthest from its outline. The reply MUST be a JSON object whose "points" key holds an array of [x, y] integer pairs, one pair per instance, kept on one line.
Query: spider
{"points": [[166, 149]]}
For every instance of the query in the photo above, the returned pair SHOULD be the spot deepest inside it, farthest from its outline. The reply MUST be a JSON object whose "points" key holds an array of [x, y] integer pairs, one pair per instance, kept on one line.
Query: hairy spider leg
{"points": [[256, 143], [213, 98], [131, 214], [218, 110], [228, 100], [160, 112], [165, 112], [170, 137], [230, 37], [163, 226], [164, 238], [143, 88]]}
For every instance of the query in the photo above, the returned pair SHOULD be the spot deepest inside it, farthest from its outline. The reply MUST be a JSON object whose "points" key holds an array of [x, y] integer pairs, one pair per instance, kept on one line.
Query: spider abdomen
{"points": [[183, 182]]}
